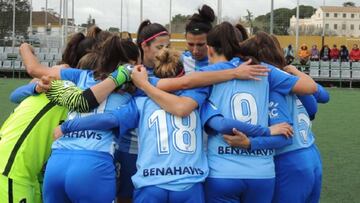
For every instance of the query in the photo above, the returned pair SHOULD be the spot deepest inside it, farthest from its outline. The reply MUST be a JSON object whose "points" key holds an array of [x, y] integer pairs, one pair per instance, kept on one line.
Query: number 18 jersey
{"points": [[170, 155]]}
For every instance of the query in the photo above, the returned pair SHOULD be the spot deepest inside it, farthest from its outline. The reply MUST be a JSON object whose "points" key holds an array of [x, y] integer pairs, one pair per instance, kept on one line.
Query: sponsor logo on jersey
{"points": [[244, 152], [87, 134], [172, 171]]}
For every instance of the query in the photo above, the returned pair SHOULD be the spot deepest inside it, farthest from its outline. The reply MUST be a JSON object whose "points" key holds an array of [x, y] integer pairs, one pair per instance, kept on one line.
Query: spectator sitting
{"points": [[344, 54], [304, 54], [314, 53], [355, 53], [289, 54], [334, 53], [325, 53]]}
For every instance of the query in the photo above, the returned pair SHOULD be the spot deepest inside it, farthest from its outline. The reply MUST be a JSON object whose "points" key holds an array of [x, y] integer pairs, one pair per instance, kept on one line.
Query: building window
{"points": [[335, 26], [343, 26], [326, 26], [344, 15], [352, 15], [352, 27], [327, 15], [335, 15]]}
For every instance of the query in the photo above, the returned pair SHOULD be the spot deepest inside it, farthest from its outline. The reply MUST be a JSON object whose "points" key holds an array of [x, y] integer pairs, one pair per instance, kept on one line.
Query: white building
{"points": [[341, 21]]}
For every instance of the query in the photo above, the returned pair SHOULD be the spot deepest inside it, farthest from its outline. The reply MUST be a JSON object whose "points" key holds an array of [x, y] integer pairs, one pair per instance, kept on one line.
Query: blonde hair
{"points": [[168, 64]]}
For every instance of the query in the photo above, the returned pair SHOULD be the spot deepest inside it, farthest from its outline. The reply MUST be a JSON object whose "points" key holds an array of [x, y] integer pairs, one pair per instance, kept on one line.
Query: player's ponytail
{"points": [[201, 22], [70, 55], [242, 32], [113, 53], [225, 42], [168, 64], [262, 47]]}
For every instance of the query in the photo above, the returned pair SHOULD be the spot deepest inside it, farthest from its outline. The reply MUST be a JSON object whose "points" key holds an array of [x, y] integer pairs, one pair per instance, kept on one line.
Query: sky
{"points": [[108, 12]]}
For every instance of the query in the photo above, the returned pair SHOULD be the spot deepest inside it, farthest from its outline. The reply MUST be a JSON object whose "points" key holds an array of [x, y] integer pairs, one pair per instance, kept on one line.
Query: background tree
{"points": [[349, 4], [281, 19], [22, 13]]}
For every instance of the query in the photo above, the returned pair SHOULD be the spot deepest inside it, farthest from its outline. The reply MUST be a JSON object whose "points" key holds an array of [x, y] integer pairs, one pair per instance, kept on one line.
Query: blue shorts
{"points": [[79, 176], [298, 176], [125, 168], [153, 194], [239, 190]]}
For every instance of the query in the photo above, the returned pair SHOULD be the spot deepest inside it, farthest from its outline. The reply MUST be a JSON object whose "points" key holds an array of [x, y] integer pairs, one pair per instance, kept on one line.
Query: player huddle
{"points": [[225, 121]]}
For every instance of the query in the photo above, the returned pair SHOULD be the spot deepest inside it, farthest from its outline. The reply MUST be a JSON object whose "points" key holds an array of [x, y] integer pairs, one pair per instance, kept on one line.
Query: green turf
{"points": [[6, 87], [336, 127]]}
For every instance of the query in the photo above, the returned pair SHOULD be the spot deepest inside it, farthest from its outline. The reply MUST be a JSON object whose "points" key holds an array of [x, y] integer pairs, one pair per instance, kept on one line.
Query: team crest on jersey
{"points": [[273, 110]]}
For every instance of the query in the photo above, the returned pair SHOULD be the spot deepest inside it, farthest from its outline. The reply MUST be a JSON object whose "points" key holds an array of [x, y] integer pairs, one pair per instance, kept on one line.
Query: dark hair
{"points": [[93, 31], [76, 48], [147, 30], [113, 53], [262, 47], [224, 40], [243, 34], [278, 46], [201, 22]]}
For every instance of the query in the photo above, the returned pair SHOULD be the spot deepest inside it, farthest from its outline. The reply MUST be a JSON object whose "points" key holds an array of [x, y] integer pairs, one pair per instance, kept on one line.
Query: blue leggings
{"points": [[153, 194], [298, 176], [79, 176], [239, 190], [125, 168]]}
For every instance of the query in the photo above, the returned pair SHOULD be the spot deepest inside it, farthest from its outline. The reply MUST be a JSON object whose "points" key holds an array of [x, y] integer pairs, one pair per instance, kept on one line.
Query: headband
{"points": [[154, 36]]}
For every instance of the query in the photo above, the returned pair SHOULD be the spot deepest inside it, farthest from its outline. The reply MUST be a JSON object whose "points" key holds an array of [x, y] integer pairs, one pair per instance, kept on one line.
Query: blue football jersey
{"points": [[246, 101], [192, 65], [290, 109], [90, 139], [171, 154]]}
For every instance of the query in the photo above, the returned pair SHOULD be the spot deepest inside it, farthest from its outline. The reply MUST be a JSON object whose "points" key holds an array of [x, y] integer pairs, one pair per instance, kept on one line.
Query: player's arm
{"points": [[214, 121], [177, 105], [305, 84], [225, 126], [310, 104], [34, 67], [238, 139], [124, 118], [201, 79], [321, 95], [78, 100], [21, 93]]}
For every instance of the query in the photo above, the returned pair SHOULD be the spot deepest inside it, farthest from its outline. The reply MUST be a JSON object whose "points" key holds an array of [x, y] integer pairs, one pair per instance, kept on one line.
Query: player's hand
{"points": [[281, 129], [291, 69], [26, 46], [250, 72], [61, 66], [58, 132], [239, 139], [139, 76], [120, 76], [44, 84]]}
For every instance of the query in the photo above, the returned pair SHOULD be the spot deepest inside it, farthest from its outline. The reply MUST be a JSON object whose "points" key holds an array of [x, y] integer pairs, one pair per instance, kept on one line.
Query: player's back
{"points": [[96, 140], [303, 136], [171, 155], [246, 101], [26, 137]]}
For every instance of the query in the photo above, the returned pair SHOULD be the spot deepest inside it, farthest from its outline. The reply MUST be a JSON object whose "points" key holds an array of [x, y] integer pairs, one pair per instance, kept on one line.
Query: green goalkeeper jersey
{"points": [[26, 137]]}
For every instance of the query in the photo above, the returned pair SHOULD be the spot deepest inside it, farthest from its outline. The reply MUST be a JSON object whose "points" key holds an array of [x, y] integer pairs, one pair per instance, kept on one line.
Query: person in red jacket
{"points": [[334, 53], [355, 53]]}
